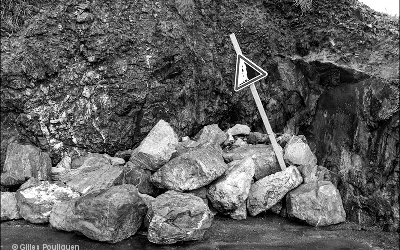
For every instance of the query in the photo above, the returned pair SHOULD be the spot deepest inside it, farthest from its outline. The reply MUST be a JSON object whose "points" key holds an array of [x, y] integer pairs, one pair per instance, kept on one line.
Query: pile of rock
{"points": [[169, 187]]}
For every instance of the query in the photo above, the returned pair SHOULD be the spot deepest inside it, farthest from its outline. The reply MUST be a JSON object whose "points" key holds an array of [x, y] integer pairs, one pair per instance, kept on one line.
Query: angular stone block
{"points": [[96, 173], [110, 215], [190, 170], [318, 204], [23, 162], [297, 152], [156, 148], [9, 208], [231, 190], [264, 158], [271, 189], [178, 217], [35, 203]]}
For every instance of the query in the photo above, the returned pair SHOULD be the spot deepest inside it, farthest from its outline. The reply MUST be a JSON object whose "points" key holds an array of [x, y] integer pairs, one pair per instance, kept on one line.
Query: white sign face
{"points": [[247, 73]]}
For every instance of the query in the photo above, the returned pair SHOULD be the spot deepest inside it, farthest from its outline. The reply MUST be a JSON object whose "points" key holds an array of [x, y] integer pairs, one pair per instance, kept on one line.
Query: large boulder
{"points": [[190, 170], [210, 135], [9, 208], [140, 178], [230, 191], [185, 146], [297, 152], [318, 203], [178, 217], [96, 173], [62, 215], [271, 189], [35, 203], [264, 158], [239, 129], [23, 162], [156, 149], [110, 215]]}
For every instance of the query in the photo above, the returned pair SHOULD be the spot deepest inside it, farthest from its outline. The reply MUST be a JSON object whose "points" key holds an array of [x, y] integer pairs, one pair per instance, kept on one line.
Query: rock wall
{"points": [[98, 75]]}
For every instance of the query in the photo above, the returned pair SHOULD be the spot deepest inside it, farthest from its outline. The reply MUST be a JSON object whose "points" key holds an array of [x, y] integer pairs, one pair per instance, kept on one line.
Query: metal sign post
{"points": [[260, 107]]}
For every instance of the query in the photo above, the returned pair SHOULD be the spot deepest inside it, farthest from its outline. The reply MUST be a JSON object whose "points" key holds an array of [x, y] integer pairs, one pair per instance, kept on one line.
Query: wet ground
{"points": [[265, 232]]}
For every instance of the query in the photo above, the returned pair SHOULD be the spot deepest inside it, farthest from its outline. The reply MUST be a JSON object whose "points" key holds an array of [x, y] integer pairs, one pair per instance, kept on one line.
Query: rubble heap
{"points": [[173, 188]]}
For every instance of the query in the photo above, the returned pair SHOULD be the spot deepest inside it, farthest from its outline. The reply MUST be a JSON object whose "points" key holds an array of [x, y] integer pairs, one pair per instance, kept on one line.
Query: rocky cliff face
{"points": [[97, 75]]}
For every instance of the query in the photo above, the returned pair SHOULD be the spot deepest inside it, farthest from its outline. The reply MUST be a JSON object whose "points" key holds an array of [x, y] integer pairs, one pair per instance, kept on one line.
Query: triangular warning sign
{"points": [[247, 73]]}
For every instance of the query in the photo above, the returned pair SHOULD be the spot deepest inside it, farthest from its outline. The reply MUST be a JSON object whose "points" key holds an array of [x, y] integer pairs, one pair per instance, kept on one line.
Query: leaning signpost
{"points": [[247, 73]]}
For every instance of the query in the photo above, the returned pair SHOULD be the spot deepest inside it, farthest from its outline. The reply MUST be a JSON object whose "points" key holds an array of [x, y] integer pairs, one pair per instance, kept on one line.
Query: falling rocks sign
{"points": [[247, 73]]}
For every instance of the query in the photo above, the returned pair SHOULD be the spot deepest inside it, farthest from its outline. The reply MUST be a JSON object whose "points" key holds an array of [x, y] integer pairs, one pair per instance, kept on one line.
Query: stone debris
{"points": [[297, 152], [78, 161], [156, 149], [229, 140], [257, 138], [185, 138], [23, 162], [271, 189], [124, 154], [110, 215], [140, 178], [62, 215], [147, 199], [191, 170], [184, 147], [230, 191], [239, 129], [74, 158], [285, 138], [263, 156], [9, 208], [96, 173], [35, 203], [239, 142], [178, 217], [210, 135], [109, 198], [318, 204]]}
